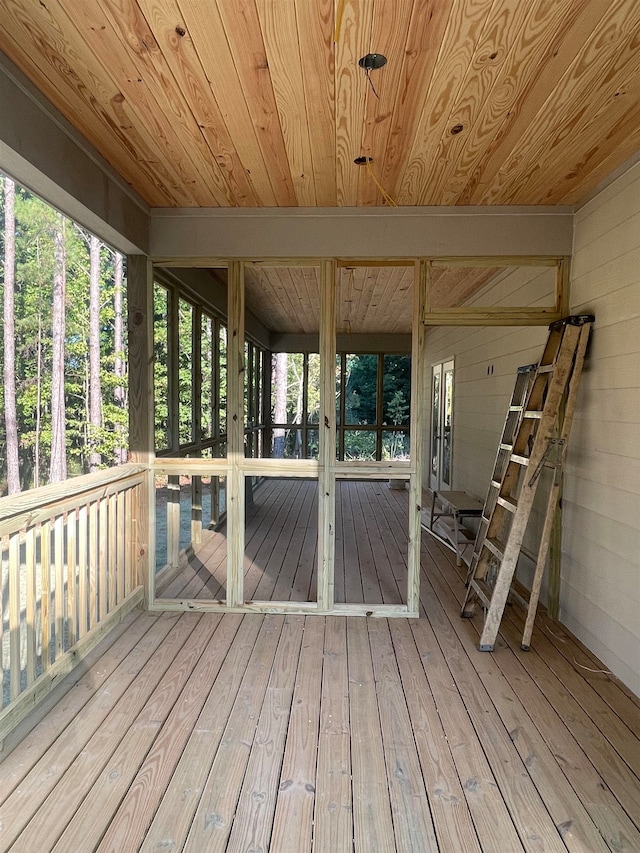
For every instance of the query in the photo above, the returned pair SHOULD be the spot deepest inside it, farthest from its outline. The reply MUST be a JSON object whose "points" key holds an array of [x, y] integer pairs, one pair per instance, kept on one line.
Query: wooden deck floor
{"points": [[203, 732], [281, 542]]}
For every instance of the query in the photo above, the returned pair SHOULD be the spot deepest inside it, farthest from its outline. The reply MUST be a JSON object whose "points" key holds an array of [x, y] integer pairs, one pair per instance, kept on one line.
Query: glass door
{"points": [[441, 445]]}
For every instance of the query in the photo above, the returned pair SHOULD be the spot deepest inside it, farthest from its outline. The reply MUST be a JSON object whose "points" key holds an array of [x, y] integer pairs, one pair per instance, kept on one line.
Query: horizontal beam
{"points": [[380, 234], [295, 608], [492, 317], [506, 261], [355, 343]]}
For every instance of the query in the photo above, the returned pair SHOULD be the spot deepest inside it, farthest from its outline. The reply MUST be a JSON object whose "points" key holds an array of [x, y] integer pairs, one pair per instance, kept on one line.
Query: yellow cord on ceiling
{"points": [[385, 194], [339, 14]]}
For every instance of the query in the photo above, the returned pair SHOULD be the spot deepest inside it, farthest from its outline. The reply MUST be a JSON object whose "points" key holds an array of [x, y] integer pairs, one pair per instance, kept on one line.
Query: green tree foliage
{"points": [[36, 225]]}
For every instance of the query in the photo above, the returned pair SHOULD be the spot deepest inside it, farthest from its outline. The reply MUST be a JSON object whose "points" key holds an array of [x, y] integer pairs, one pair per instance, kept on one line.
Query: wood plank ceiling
{"points": [[261, 103]]}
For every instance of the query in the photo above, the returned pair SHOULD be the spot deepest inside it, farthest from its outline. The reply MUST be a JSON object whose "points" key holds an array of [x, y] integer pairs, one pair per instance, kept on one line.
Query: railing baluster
{"points": [[83, 591], [72, 521], [196, 510], [123, 528], [45, 593], [94, 592], [129, 503], [173, 520], [103, 556], [59, 594], [4, 580], [111, 535], [14, 615], [31, 602]]}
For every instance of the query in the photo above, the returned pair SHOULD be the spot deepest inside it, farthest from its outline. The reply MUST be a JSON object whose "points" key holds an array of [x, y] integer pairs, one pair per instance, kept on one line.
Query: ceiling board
{"points": [[261, 103]]}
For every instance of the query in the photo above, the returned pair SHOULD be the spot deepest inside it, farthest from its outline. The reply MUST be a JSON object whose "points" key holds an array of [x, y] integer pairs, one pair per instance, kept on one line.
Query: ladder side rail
{"points": [[556, 486]]}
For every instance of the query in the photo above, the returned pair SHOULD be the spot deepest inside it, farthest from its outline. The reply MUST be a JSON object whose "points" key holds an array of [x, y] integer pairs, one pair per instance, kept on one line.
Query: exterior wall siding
{"points": [[600, 586], [600, 593]]}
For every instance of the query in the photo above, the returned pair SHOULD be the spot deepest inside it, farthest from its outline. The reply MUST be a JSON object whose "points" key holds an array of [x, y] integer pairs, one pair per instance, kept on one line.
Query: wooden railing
{"points": [[69, 553]]}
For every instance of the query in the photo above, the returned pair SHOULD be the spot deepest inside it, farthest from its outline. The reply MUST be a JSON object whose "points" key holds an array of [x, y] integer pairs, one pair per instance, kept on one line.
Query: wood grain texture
{"points": [[262, 103]]}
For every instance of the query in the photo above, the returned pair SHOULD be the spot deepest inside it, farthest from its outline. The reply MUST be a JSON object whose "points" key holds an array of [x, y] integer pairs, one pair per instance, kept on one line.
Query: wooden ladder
{"points": [[538, 441], [521, 390]]}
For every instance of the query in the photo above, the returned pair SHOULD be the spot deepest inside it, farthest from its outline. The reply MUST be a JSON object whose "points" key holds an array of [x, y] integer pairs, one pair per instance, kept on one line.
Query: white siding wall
{"points": [[600, 594], [600, 591]]}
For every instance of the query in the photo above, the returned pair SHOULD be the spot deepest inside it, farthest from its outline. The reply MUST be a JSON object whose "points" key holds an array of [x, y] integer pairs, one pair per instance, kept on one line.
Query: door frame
{"points": [[438, 479]]}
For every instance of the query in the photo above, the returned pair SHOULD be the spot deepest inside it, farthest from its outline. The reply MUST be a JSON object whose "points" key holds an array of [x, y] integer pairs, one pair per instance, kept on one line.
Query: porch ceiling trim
{"points": [[360, 232]]}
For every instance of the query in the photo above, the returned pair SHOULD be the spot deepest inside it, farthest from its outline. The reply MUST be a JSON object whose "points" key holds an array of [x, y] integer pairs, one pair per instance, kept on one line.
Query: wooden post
{"points": [[215, 417], [235, 435], [563, 282], [267, 432], [173, 418], [555, 543], [327, 438], [379, 404], [141, 420], [196, 420], [563, 300], [420, 296]]}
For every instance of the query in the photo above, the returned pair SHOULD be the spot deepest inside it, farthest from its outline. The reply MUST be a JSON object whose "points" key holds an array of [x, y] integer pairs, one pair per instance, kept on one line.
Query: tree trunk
{"points": [[280, 411], [10, 413], [36, 446], [95, 389], [120, 393], [58, 464]]}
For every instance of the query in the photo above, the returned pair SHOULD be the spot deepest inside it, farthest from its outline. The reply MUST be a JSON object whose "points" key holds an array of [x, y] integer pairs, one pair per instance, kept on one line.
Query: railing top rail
{"points": [[45, 496]]}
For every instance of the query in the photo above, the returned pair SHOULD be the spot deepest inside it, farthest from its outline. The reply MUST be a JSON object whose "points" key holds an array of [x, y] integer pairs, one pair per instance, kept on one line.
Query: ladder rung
{"points": [[508, 503], [484, 598], [508, 447], [546, 368], [519, 460], [495, 547], [534, 414], [495, 484], [516, 408]]}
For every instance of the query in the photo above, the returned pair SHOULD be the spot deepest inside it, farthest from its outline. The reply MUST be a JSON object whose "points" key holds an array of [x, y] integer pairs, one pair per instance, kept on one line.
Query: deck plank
{"points": [[363, 557], [333, 809], [372, 822], [293, 815], [305, 584], [283, 529]]}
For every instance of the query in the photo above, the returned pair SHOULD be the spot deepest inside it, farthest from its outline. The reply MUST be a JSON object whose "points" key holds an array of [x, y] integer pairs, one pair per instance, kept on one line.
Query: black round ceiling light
{"points": [[372, 61]]}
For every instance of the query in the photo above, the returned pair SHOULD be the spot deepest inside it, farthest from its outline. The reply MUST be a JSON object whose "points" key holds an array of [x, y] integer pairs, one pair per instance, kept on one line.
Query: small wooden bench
{"points": [[453, 507]]}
